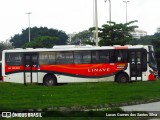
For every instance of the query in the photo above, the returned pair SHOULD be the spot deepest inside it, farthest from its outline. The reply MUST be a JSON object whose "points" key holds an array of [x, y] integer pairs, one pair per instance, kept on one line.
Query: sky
{"points": [[74, 15]]}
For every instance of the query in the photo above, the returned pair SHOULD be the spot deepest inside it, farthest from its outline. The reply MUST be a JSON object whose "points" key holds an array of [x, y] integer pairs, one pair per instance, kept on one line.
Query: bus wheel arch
{"points": [[50, 80], [122, 77]]}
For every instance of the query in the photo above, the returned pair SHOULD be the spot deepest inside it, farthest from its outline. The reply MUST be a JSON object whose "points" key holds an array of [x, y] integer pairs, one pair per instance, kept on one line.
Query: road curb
{"points": [[89, 108]]}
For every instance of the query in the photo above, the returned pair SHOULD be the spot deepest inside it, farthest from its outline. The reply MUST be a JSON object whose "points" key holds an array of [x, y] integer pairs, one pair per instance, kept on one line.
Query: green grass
{"points": [[19, 97]]}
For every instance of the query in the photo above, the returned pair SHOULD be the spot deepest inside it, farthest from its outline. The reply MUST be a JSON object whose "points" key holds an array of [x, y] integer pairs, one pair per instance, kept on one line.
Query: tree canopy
{"points": [[148, 40], [82, 37], [4, 46], [116, 34], [20, 40], [42, 42]]}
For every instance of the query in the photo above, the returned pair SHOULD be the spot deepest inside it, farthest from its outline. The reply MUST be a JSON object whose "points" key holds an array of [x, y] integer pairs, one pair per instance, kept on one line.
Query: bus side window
{"points": [[112, 56], [86, 56], [95, 57], [52, 58], [64, 57], [104, 56], [101, 56], [82, 57], [47, 58], [13, 59], [77, 57], [68, 58], [121, 56]]}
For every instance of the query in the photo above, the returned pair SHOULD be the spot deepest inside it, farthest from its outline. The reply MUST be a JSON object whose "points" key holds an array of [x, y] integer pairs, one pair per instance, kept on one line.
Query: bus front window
{"points": [[152, 61]]}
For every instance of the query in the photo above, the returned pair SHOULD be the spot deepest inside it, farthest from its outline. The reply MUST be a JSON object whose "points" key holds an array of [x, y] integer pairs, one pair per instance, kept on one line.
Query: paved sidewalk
{"points": [[155, 106], [153, 109]]}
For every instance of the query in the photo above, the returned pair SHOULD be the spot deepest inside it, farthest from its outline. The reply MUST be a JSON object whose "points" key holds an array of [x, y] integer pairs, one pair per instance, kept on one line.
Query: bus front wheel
{"points": [[50, 80], [122, 78]]}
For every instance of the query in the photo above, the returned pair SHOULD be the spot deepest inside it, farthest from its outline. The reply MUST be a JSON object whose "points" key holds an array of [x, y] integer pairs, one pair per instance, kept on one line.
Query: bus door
{"points": [[136, 65], [30, 67]]}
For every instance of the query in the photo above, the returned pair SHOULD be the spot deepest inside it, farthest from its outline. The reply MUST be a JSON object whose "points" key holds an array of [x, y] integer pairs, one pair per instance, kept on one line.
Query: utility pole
{"points": [[29, 32], [96, 22], [126, 9]]}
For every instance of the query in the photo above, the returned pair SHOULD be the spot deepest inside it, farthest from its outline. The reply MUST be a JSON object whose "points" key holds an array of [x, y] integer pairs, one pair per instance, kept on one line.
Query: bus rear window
{"points": [[13, 59]]}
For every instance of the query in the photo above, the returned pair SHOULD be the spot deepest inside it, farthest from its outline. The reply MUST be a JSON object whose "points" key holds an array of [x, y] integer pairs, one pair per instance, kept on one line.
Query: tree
{"points": [[42, 42], [4, 46], [146, 40], [19, 40], [149, 40], [83, 37], [116, 34]]}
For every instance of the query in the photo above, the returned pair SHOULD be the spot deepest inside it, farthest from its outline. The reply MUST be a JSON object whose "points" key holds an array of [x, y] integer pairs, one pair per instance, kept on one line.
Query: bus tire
{"points": [[122, 78], [50, 80]]}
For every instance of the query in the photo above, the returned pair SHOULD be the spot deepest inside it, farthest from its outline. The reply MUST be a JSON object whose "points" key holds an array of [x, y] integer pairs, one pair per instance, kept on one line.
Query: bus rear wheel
{"points": [[122, 78], [50, 80]]}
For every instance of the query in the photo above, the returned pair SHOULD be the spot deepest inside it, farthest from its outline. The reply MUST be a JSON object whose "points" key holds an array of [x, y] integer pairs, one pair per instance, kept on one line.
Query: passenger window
{"points": [[121, 56], [87, 57], [64, 58], [95, 57], [13, 59], [47, 58], [104, 56], [101, 56], [77, 57], [112, 56]]}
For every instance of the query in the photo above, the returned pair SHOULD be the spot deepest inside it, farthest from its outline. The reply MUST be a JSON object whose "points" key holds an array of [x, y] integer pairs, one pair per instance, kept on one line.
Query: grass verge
{"points": [[18, 97]]}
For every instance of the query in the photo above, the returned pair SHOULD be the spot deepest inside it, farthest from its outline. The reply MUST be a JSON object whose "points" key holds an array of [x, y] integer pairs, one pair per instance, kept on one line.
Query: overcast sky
{"points": [[74, 15]]}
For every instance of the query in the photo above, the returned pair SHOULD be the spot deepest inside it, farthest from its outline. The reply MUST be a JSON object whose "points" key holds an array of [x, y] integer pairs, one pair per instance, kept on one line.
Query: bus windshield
{"points": [[152, 61]]}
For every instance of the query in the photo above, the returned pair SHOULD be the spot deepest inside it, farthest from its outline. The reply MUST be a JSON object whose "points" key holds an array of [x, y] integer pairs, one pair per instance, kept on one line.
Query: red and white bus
{"points": [[70, 64]]}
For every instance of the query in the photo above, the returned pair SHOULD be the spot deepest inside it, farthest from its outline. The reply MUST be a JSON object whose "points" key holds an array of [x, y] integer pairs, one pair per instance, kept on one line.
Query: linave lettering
{"points": [[99, 70]]}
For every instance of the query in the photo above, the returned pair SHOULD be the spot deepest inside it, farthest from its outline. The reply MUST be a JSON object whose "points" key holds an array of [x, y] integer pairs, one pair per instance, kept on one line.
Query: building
{"points": [[158, 29], [138, 33], [70, 37]]}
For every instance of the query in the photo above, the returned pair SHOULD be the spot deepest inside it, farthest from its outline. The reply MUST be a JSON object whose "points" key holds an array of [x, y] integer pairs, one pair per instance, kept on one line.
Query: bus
{"points": [[70, 64], [0, 70]]}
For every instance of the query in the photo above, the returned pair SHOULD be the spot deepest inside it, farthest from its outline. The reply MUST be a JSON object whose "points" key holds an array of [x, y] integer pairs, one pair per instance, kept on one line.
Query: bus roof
{"points": [[75, 48]]}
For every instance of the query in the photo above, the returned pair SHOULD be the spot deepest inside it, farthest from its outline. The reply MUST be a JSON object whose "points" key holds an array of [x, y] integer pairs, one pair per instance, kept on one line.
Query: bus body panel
{"points": [[34, 66], [15, 78], [70, 79], [85, 70]]}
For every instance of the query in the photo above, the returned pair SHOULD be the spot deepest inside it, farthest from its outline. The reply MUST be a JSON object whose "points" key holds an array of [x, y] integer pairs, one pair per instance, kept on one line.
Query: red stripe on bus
{"points": [[75, 69], [121, 47]]}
